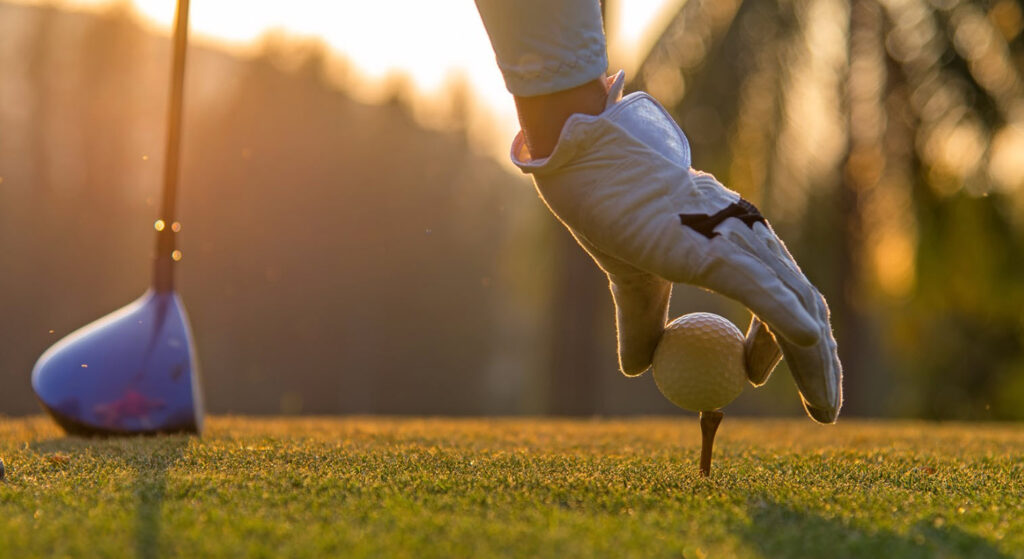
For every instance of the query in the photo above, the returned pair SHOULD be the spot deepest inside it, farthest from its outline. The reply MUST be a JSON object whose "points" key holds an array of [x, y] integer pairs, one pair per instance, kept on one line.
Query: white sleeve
{"points": [[544, 46]]}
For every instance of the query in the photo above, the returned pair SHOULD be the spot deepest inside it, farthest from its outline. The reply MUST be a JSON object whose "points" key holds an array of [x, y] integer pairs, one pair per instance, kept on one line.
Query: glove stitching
{"points": [[776, 275]]}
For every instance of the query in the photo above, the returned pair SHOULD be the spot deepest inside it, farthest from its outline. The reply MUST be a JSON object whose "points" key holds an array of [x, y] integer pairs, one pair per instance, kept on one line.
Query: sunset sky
{"points": [[429, 41]]}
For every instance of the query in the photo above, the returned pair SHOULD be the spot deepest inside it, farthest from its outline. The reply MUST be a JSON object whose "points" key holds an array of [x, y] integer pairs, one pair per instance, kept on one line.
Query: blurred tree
{"points": [[338, 257], [883, 137]]}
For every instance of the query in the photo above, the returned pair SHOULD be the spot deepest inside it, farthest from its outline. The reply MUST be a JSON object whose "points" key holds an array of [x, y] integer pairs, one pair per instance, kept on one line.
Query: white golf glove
{"points": [[621, 183]]}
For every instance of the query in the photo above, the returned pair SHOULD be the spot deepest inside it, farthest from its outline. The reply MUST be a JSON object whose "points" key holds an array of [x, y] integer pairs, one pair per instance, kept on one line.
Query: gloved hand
{"points": [[761, 352], [621, 183]]}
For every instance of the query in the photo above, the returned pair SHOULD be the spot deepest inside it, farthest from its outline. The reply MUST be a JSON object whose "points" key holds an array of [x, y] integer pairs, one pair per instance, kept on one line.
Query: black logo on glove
{"points": [[705, 224]]}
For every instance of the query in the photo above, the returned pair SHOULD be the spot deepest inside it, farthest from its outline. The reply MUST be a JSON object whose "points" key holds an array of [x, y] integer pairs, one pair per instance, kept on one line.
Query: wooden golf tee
{"points": [[709, 421]]}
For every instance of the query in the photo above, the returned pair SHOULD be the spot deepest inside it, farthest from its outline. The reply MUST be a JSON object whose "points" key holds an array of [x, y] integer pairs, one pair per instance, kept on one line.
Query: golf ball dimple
{"points": [[699, 363]]}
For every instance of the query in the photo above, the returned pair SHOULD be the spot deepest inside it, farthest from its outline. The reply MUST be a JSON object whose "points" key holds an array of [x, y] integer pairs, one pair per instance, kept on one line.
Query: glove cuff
{"points": [[638, 114]]}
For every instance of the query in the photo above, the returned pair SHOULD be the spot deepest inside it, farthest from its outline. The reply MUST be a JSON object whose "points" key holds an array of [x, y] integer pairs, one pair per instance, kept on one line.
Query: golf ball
{"points": [[699, 362]]}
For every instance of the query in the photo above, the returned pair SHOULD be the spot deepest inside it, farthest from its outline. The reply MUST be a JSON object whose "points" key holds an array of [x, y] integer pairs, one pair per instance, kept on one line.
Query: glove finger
{"points": [[641, 308], [761, 352], [815, 368], [641, 311], [818, 375], [739, 274], [762, 241], [742, 224]]}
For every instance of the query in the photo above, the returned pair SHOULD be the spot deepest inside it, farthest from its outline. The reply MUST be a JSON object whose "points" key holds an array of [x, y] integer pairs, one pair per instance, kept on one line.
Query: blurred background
{"points": [[355, 242]]}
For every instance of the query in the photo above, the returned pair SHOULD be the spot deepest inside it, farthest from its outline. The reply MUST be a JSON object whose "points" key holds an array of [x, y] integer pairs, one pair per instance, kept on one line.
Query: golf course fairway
{"points": [[423, 487]]}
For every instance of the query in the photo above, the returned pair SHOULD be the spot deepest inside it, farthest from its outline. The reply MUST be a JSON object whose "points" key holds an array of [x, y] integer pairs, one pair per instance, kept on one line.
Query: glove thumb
{"points": [[761, 352]]}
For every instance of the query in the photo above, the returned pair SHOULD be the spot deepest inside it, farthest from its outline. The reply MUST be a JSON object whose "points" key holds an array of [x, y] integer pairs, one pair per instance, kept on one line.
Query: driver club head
{"points": [[131, 372]]}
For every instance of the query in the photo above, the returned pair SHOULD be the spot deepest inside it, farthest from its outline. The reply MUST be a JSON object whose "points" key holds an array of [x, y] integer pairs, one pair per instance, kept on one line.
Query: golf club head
{"points": [[131, 372]]}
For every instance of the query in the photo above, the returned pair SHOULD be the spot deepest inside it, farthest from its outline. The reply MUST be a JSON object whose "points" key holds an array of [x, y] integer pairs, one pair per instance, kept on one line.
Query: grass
{"points": [[371, 487]]}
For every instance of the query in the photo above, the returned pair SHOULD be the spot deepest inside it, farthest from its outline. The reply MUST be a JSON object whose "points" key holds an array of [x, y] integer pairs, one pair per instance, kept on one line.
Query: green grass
{"points": [[370, 487]]}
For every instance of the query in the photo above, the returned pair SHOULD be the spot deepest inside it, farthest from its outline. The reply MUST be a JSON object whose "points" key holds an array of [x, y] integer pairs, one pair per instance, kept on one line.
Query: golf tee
{"points": [[709, 421]]}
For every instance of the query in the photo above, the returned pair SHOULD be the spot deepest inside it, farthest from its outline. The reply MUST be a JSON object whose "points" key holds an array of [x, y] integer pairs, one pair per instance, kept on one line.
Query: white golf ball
{"points": [[699, 362]]}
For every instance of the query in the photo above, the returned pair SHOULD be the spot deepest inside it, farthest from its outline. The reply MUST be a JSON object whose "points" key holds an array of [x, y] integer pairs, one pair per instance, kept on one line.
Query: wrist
{"points": [[543, 116]]}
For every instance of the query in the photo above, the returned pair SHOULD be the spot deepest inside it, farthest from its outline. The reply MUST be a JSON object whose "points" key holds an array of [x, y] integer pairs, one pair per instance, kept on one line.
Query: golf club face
{"points": [[131, 372]]}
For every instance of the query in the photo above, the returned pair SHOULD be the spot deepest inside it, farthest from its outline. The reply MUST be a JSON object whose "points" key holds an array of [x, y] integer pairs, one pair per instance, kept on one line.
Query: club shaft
{"points": [[163, 272]]}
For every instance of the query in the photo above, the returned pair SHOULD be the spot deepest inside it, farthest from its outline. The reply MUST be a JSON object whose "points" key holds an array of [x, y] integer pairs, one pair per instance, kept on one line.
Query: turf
{"points": [[371, 487]]}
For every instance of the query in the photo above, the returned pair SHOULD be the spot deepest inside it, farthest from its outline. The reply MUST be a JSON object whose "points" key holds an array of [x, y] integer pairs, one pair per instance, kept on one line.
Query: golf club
{"points": [[134, 371]]}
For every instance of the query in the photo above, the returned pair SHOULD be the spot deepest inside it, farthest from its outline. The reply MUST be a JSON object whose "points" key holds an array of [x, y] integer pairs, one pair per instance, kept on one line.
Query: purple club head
{"points": [[131, 372]]}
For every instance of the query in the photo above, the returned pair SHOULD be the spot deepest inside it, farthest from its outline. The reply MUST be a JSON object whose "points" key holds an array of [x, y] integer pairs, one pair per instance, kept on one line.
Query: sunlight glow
{"points": [[435, 44], [426, 40], [1006, 166], [893, 257], [633, 27]]}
